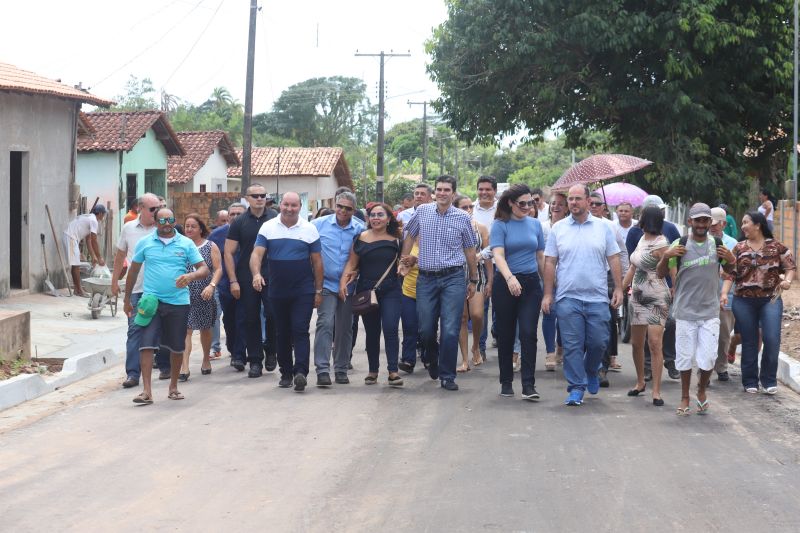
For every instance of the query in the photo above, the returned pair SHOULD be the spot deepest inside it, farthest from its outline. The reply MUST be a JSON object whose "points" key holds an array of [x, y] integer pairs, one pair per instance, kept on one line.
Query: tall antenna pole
{"points": [[247, 134], [381, 113], [424, 137]]}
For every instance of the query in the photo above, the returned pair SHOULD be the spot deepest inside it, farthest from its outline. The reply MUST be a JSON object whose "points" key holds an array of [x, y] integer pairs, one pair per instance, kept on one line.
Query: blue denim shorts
{"points": [[167, 329]]}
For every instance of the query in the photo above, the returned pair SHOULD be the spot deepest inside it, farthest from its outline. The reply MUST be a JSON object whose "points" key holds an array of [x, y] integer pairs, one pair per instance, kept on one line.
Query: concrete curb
{"points": [[789, 372], [26, 387]]}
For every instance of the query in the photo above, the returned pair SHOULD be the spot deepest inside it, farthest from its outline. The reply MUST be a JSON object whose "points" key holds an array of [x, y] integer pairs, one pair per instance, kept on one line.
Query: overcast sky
{"points": [[188, 47]]}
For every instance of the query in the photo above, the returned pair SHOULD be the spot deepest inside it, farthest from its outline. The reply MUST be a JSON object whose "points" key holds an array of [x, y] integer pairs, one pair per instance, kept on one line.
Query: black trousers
{"points": [[255, 303]]}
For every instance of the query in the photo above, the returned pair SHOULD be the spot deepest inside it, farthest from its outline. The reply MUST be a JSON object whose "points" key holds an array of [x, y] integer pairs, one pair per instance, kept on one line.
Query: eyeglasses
{"points": [[595, 204], [536, 200], [467, 207], [523, 205], [257, 195], [166, 220], [345, 207], [377, 214]]}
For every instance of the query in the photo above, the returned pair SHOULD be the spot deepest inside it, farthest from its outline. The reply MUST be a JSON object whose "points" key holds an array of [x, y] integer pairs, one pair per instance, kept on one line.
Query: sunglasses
{"points": [[523, 205], [166, 220], [345, 207], [467, 207], [595, 204], [379, 214], [536, 200], [153, 209], [257, 196]]}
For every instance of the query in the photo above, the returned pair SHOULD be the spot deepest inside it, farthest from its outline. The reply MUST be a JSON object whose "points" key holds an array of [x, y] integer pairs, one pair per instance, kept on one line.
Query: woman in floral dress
{"points": [[650, 301]]}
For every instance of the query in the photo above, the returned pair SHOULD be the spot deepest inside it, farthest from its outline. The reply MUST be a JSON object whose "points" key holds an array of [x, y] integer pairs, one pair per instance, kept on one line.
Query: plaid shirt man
{"points": [[442, 238]]}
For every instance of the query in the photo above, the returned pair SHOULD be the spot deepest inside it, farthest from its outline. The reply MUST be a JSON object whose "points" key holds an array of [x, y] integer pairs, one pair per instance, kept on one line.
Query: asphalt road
{"points": [[240, 454]]}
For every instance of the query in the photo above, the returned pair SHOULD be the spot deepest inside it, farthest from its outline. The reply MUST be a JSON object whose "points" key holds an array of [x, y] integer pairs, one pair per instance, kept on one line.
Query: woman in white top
{"points": [[766, 208]]}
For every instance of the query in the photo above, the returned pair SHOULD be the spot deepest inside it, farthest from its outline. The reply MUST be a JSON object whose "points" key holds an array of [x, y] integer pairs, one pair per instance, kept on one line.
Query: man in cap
{"points": [[163, 310], [726, 320], [83, 227], [671, 232], [693, 262]]}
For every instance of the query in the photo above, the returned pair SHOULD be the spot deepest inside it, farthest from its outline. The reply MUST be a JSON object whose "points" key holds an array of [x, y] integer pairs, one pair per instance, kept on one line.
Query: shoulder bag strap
{"points": [[389, 268]]}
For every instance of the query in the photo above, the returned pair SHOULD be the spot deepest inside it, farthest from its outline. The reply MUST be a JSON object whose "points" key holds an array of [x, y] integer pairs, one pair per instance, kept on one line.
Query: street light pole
{"points": [[794, 134]]}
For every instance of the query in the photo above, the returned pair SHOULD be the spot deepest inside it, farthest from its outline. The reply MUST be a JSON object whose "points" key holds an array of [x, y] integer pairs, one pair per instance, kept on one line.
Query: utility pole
{"points": [[456, 156], [441, 155], [424, 137], [381, 113], [794, 135], [247, 134]]}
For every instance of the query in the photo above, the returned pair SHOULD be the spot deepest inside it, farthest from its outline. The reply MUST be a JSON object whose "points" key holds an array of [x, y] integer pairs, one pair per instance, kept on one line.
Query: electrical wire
{"points": [[213, 16], [149, 47]]}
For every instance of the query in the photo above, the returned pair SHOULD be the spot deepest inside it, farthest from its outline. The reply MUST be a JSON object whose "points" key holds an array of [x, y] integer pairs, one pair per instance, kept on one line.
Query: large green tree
{"points": [[139, 95], [701, 87], [331, 111]]}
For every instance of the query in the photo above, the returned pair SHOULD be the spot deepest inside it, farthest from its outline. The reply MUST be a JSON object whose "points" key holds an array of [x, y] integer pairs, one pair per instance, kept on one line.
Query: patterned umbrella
{"points": [[598, 168], [616, 193]]}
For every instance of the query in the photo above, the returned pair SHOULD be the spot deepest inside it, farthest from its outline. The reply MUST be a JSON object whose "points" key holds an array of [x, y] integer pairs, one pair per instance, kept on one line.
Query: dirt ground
{"points": [[9, 369], [790, 338]]}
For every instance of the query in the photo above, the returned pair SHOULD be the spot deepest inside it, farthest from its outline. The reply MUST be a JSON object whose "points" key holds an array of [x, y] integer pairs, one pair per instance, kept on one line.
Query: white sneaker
{"points": [[751, 390], [771, 391]]}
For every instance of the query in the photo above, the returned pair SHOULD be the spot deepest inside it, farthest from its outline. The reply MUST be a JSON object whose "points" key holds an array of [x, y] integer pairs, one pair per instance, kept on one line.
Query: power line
{"points": [[213, 16], [150, 46]]}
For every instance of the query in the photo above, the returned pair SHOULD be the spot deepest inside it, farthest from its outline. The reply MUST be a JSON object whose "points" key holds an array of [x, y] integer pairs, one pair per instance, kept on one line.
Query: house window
{"points": [[202, 187], [219, 187]]}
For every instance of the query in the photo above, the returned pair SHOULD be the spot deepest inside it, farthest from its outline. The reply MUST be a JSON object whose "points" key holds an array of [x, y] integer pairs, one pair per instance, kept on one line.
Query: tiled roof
{"points": [[199, 146], [318, 162], [23, 81], [121, 130]]}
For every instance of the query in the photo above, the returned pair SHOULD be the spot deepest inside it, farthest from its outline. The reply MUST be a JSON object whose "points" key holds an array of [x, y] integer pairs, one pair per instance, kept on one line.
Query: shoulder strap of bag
{"points": [[389, 268]]}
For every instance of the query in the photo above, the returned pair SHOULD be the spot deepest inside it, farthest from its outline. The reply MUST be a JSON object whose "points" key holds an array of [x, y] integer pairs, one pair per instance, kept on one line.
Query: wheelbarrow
{"points": [[101, 296]]}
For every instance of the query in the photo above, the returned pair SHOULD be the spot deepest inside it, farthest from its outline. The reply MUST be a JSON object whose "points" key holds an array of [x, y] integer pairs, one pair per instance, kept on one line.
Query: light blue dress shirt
{"points": [[336, 243]]}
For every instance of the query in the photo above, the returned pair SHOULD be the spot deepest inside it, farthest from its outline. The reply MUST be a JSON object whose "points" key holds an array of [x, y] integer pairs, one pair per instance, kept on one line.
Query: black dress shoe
{"points": [[300, 383], [285, 382], [507, 390], [324, 380], [433, 370], [406, 367], [130, 382], [238, 365], [449, 384], [341, 378], [673, 373], [603, 379], [270, 361], [255, 371]]}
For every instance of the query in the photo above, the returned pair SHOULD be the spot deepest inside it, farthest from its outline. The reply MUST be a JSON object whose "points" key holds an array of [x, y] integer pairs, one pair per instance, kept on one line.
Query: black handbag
{"points": [[365, 302]]}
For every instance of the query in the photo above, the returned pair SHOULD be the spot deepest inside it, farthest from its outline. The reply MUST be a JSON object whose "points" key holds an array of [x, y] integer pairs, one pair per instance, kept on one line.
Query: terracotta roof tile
{"points": [[23, 81], [199, 146], [293, 161], [121, 130]]}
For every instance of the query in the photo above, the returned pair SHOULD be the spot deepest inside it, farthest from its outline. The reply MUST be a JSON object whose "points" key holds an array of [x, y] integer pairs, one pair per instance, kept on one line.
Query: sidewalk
{"points": [[63, 328]]}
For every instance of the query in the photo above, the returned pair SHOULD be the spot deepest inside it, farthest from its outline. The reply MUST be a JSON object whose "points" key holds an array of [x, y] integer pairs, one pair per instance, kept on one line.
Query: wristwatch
{"points": [[475, 281]]}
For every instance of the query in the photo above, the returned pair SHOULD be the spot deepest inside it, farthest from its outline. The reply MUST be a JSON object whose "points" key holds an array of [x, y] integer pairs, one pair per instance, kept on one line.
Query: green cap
{"points": [[146, 310]]}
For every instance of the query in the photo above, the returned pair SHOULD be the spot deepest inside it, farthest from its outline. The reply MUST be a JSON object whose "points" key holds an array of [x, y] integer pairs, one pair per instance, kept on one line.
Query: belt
{"points": [[442, 272]]}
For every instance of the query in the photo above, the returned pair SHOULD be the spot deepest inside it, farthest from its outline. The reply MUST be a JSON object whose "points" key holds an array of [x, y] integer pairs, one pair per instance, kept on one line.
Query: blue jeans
{"points": [[749, 312], [550, 330], [584, 329], [387, 319], [517, 313], [215, 346], [441, 298], [408, 316], [132, 367], [233, 322], [291, 317]]}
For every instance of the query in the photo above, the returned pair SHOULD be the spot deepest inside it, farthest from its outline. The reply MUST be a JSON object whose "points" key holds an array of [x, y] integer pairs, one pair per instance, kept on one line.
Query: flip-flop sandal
{"points": [[215, 355], [143, 399], [461, 370], [175, 395], [702, 407], [683, 411]]}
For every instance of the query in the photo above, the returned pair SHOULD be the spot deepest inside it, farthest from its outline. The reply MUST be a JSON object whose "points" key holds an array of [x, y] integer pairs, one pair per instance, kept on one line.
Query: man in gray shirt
{"points": [[693, 263]]}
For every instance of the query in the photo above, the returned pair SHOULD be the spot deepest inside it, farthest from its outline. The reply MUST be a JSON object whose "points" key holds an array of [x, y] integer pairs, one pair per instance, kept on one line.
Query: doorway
{"points": [[17, 218], [130, 192]]}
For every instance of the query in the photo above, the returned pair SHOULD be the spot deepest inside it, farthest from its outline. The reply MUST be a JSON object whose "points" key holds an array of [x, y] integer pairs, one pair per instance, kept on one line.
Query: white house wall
{"points": [[44, 128], [213, 173]]}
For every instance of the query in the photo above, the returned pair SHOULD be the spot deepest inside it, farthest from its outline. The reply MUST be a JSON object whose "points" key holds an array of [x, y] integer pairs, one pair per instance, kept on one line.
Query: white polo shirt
{"points": [[132, 232]]}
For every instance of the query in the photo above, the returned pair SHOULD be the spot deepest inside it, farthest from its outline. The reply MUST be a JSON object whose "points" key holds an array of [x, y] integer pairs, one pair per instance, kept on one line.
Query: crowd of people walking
{"points": [[438, 265]]}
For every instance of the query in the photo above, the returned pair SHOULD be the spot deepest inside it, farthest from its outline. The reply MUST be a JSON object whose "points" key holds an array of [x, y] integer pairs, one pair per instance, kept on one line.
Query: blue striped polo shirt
{"points": [[288, 255]]}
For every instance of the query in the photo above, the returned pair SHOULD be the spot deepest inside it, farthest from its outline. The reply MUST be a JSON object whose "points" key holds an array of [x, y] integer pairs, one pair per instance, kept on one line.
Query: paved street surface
{"points": [[240, 454]]}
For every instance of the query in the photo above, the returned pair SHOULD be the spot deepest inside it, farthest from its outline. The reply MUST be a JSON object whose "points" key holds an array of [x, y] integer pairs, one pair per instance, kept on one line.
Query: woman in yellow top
{"points": [[408, 316]]}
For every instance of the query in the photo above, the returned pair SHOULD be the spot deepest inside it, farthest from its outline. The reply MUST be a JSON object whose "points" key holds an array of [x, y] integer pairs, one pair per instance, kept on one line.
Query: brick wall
{"points": [[785, 224], [205, 203]]}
